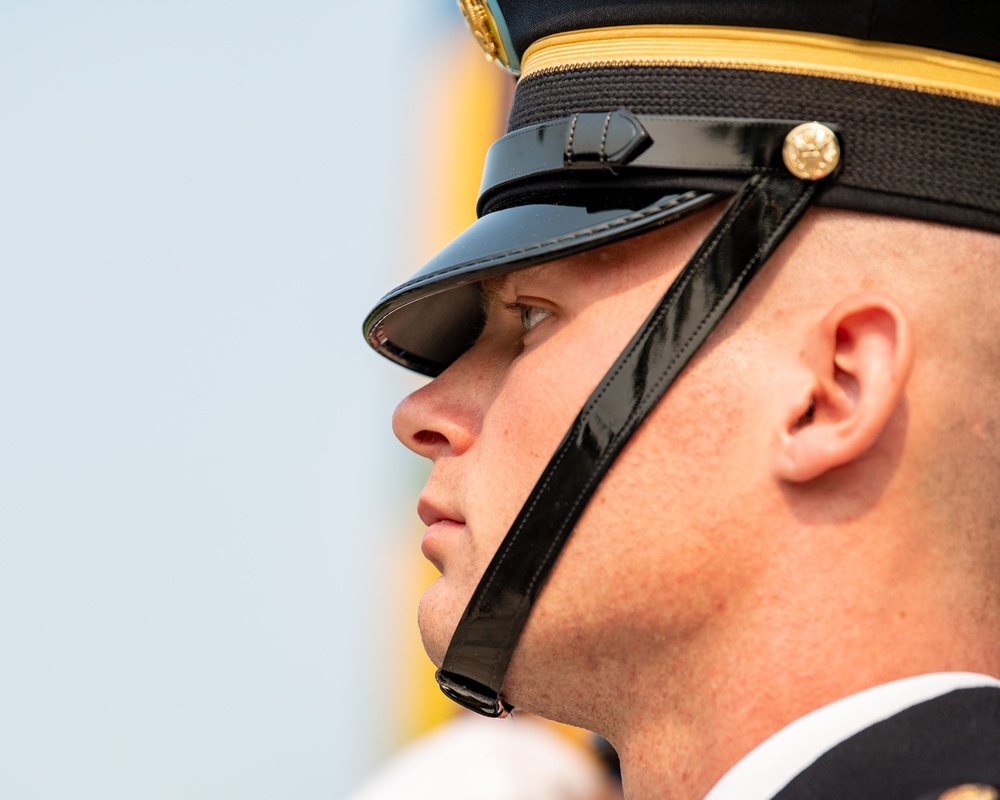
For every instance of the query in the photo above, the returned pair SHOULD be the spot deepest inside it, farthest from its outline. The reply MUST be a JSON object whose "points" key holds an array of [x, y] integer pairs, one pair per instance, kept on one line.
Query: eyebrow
{"points": [[491, 290]]}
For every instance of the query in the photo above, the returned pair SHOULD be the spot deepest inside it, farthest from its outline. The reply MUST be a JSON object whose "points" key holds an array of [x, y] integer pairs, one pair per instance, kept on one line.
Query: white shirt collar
{"points": [[766, 769]]}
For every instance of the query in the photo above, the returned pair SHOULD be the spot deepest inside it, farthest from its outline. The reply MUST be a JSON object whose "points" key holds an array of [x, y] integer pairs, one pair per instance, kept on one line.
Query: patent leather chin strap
{"points": [[752, 226]]}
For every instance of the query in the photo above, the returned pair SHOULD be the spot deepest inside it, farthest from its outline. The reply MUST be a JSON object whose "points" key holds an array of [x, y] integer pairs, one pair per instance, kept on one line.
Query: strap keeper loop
{"points": [[606, 141]]}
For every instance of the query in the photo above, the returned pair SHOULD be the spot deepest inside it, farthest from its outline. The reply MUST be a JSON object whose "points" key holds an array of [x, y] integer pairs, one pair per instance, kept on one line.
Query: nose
{"points": [[441, 418]]}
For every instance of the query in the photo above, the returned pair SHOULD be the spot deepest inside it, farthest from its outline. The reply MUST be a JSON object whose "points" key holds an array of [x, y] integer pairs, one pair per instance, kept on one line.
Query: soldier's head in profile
{"points": [[715, 409]]}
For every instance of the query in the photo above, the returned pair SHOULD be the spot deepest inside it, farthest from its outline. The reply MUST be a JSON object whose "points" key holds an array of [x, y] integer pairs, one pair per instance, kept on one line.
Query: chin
{"points": [[436, 621]]}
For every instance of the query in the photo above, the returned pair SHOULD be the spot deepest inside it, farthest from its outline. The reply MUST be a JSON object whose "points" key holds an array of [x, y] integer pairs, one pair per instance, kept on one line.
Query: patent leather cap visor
{"points": [[429, 321]]}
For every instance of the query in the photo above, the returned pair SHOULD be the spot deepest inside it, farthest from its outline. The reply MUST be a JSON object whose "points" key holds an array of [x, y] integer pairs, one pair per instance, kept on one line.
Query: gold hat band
{"points": [[820, 55]]}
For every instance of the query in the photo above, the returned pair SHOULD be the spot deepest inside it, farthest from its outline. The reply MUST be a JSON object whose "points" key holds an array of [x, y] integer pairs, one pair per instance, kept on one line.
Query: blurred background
{"points": [[209, 557]]}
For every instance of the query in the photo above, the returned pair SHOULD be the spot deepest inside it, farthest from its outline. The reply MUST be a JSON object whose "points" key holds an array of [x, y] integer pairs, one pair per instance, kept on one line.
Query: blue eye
{"points": [[532, 315]]}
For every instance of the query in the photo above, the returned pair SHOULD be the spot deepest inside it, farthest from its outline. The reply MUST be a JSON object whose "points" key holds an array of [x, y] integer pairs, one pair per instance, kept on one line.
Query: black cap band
{"points": [[913, 153]]}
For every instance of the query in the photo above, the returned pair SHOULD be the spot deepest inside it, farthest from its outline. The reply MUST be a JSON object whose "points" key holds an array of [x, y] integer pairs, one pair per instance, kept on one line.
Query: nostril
{"points": [[426, 437]]}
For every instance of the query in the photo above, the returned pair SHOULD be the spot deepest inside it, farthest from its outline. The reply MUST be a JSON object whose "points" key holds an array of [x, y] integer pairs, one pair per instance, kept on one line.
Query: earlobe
{"points": [[856, 364]]}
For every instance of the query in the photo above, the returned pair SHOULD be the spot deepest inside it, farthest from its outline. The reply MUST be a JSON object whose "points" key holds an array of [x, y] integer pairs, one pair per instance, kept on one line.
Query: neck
{"points": [[682, 728]]}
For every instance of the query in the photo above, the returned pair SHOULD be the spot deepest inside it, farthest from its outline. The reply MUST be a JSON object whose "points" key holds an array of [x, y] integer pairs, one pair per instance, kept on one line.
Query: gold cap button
{"points": [[811, 151], [971, 791]]}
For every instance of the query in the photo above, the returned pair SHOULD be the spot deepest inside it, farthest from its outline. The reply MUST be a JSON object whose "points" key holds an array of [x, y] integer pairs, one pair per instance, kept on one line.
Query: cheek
{"points": [[663, 541], [528, 419], [535, 404]]}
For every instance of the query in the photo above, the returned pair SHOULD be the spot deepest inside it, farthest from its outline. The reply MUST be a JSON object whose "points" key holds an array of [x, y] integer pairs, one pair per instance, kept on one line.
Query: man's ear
{"points": [[856, 362]]}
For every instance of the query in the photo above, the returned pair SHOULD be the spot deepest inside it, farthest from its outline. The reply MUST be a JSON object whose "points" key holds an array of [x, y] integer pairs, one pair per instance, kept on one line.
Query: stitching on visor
{"points": [[635, 216]]}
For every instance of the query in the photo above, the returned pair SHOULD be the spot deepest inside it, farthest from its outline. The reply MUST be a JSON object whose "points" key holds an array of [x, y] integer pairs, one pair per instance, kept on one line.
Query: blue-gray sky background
{"points": [[198, 203]]}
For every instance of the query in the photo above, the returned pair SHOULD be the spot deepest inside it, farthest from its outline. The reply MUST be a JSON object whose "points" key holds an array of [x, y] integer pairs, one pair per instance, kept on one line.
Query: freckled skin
{"points": [[533, 395], [734, 540]]}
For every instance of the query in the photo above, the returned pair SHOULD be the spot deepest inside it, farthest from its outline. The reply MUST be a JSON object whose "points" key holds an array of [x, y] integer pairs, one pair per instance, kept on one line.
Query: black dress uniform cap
{"points": [[913, 89], [628, 115]]}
